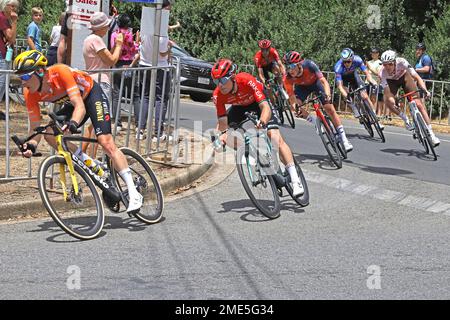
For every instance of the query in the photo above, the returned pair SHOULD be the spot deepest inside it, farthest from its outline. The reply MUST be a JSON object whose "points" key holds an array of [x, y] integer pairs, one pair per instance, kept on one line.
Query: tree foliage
{"points": [[318, 28]]}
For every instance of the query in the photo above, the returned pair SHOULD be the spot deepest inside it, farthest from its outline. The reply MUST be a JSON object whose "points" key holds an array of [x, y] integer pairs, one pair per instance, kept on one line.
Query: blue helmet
{"points": [[347, 54]]}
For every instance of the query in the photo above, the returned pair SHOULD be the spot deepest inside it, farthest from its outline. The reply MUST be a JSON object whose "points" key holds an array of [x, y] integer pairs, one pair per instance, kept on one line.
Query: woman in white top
{"points": [[54, 41], [374, 66]]}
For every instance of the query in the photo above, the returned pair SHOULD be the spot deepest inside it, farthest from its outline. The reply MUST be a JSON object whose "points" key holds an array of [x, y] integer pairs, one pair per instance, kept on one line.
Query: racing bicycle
{"points": [[260, 173], [328, 134], [281, 103], [420, 131], [367, 118], [69, 188]]}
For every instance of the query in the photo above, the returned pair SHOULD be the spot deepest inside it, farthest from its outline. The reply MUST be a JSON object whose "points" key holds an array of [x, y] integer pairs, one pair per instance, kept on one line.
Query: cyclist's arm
{"points": [[222, 123], [419, 80], [281, 65], [369, 77], [326, 86], [341, 88], [79, 109], [261, 75], [265, 112]]}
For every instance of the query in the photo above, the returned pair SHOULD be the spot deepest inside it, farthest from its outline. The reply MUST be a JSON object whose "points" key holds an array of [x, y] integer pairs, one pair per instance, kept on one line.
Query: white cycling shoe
{"points": [[135, 203], [409, 126], [435, 140], [297, 189], [347, 145]]}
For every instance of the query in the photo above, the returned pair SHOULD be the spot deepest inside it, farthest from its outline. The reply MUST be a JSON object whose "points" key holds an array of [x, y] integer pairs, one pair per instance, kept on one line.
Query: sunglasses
{"points": [[388, 64], [348, 61], [26, 76], [222, 80], [291, 66]]}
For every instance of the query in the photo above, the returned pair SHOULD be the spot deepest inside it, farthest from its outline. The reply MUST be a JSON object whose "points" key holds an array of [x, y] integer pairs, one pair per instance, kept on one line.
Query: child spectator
{"points": [[33, 30]]}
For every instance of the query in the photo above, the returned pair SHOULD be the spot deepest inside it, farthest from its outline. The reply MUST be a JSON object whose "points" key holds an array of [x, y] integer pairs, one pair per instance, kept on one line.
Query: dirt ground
{"points": [[22, 167]]}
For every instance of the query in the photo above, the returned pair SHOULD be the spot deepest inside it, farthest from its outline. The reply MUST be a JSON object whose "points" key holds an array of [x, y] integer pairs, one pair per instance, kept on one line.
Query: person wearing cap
{"points": [[424, 64], [374, 65], [97, 56]]}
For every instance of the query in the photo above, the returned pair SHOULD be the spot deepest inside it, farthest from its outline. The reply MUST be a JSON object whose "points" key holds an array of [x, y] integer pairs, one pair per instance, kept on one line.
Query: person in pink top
{"points": [[129, 51], [97, 56]]}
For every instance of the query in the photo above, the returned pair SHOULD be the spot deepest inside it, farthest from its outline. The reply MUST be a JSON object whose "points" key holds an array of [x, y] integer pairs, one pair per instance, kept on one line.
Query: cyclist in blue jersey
{"points": [[347, 76]]}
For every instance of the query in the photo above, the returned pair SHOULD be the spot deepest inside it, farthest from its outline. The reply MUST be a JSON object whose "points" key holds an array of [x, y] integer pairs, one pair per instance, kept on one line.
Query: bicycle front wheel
{"points": [[260, 188], [426, 138], [80, 215], [147, 185], [329, 142], [302, 200], [373, 119], [289, 114]]}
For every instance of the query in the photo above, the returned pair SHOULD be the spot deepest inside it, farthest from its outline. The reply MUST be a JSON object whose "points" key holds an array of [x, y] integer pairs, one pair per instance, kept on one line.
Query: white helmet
{"points": [[388, 56]]}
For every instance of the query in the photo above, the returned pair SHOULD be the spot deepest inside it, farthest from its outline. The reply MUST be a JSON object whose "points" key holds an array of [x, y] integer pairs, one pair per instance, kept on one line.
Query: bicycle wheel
{"points": [[373, 119], [81, 216], [146, 183], [426, 138], [329, 142], [279, 108], [260, 188], [302, 200], [364, 118], [289, 114]]}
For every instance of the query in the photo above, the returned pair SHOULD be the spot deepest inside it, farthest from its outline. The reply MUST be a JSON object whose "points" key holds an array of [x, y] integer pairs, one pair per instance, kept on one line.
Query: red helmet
{"points": [[292, 57], [223, 68], [264, 44]]}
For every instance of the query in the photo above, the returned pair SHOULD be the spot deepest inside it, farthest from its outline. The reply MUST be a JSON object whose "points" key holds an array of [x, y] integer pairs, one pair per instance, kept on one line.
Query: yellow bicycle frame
{"points": [[68, 157]]}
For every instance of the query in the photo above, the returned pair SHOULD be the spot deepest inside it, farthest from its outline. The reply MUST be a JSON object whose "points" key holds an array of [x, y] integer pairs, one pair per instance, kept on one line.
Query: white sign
{"points": [[82, 10]]}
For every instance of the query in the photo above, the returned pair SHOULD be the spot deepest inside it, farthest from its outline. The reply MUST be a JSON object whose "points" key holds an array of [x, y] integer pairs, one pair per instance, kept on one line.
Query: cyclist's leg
{"points": [[235, 115], [98, 111], [302, 93], [360, 83]]}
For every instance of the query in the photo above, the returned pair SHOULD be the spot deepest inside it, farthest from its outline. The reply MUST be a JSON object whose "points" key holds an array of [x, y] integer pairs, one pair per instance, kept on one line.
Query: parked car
{"points": [[195, 75]]}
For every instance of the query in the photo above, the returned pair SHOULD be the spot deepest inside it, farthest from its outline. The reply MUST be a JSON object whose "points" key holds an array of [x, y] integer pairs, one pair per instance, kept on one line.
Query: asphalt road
{"points": [[375, 229]]}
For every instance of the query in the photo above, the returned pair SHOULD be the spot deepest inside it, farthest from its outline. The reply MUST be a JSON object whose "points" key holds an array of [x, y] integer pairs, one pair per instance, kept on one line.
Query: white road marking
{"points": [[399, 198]]}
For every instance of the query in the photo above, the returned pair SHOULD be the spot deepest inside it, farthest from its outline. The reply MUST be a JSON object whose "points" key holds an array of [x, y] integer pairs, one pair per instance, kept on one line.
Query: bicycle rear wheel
{"points": [[329, 142], [81, 216], [302, 200], [146, 183], [260, 188], [426, 138]]}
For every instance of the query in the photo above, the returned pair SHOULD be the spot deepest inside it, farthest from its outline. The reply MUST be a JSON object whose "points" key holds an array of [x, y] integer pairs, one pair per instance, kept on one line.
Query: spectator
{"points": [[62, 45], [129, 50], [8, 30], [424, 64], [97, 56], [33, 30], [54, 41], [374, 66], [161, 99]]}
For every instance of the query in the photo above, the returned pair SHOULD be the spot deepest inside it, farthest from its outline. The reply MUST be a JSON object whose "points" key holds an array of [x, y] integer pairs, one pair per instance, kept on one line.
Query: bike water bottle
{"points": [[94, 166], [9, 54]]}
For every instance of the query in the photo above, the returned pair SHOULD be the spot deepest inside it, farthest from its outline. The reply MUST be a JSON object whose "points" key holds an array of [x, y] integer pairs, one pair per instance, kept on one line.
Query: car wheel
{"points": [[200, 97]]}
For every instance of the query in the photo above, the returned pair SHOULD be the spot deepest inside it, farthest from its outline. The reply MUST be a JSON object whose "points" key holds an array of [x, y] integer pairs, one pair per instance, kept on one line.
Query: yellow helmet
{"points": [[29, 61]]}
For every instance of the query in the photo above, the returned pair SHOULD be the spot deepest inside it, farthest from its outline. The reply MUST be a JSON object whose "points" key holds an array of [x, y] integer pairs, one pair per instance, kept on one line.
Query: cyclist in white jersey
{"points": [[395, 73]]}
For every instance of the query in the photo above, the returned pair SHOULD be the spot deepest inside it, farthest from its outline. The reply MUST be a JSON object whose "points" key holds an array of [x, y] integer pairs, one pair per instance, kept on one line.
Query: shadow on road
{"points": [[322, 161], [410, 153], [111, 223], [363, 137]]}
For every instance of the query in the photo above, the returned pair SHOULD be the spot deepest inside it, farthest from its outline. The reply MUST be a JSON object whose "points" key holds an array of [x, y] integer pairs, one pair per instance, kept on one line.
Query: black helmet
{"points": [[124, 20], [421, 45]]}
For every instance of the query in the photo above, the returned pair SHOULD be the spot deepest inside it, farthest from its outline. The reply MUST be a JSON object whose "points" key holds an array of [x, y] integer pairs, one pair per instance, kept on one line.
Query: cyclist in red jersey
{"points": [[245, 94], [83, 99], [303, 78], [268, 60]]}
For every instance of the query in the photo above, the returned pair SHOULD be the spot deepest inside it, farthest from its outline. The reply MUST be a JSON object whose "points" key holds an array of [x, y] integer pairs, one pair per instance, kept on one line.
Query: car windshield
{"points": [[177, 51]]}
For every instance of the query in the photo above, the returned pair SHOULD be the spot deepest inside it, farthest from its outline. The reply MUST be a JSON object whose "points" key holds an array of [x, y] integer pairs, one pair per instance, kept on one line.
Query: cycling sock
{"points": [[128, 178], [404, 117], [341, 132], [81, 155], [293, 172], [311, 118]]}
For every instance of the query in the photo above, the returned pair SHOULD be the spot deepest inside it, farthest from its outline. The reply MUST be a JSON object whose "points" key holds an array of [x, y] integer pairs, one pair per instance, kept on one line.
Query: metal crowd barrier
{"points": [[128, 100]]}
